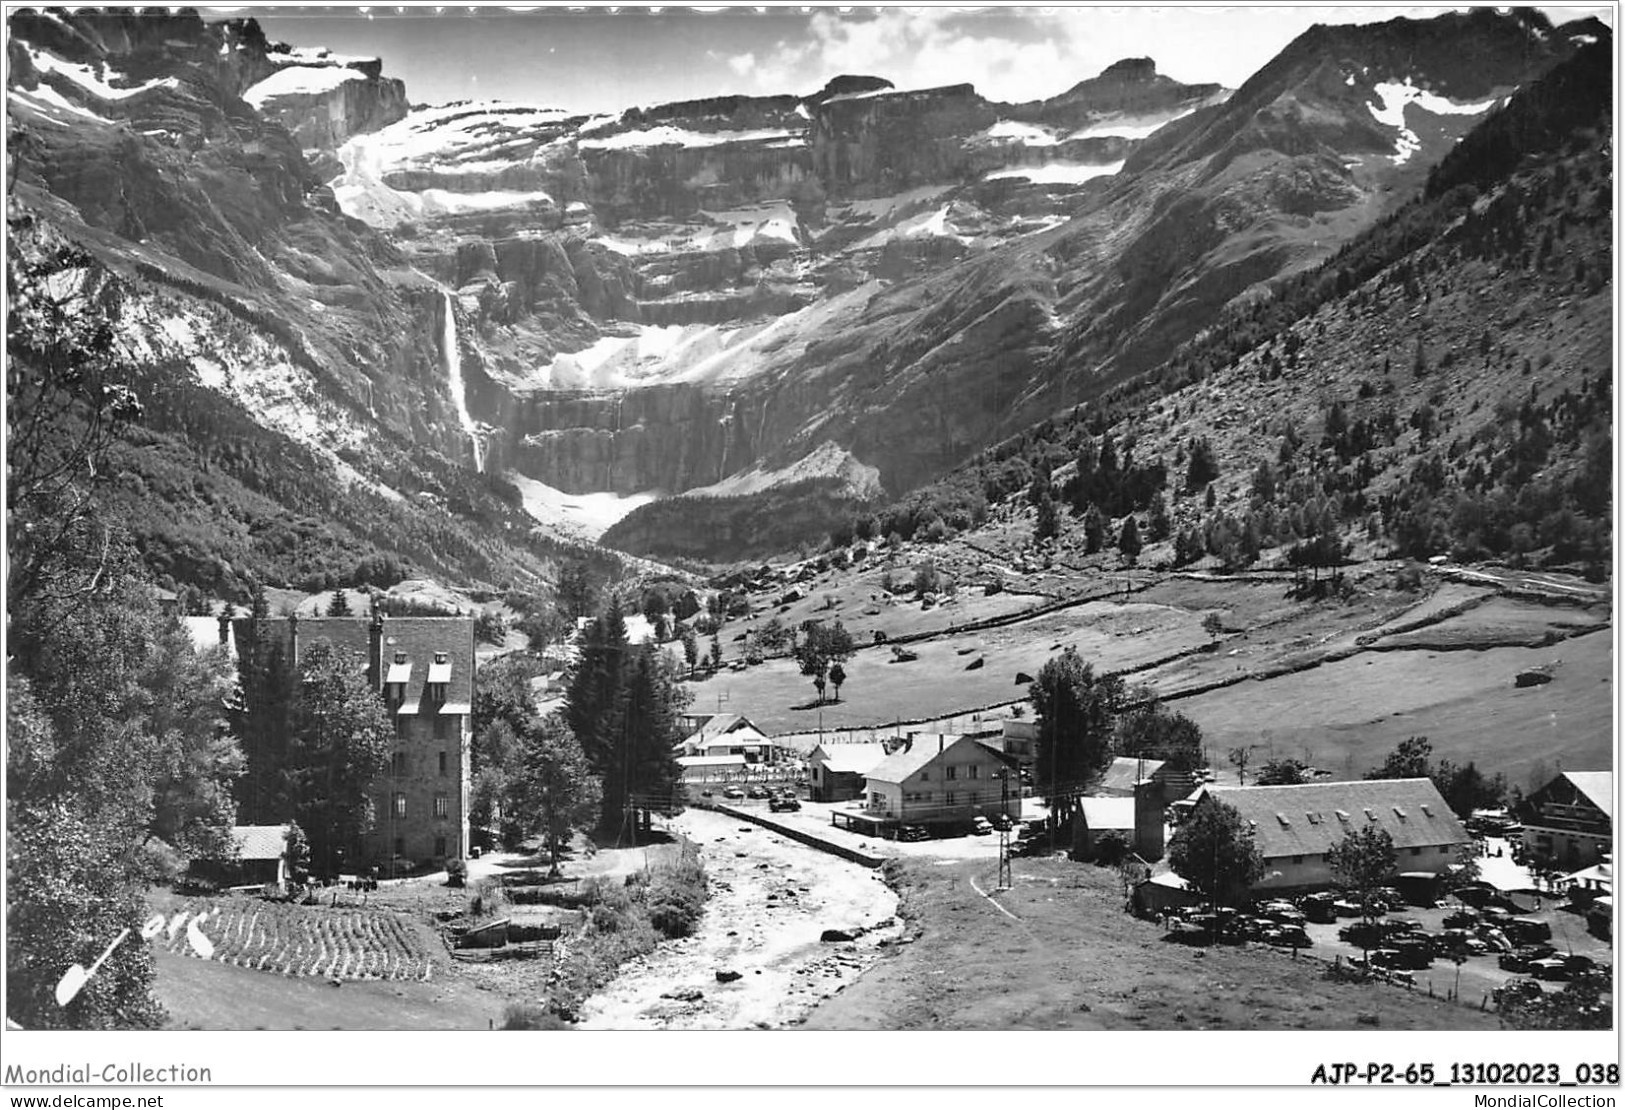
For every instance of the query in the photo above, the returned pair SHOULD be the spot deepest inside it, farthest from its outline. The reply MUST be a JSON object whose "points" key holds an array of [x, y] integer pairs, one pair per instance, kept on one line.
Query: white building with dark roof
{"points": [[1569, 822], [938, 780], [1296, 826], [835, 772]]}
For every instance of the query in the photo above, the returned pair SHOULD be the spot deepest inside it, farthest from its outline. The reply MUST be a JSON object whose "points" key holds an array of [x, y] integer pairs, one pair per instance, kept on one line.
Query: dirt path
{"points": [[771, 900]]}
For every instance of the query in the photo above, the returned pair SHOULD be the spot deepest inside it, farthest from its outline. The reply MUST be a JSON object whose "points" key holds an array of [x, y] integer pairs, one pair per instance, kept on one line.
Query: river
{"points": [[771, 899]]}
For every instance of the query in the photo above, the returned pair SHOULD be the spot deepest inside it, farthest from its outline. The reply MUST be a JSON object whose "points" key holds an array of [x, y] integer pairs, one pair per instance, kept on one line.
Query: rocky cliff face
{"points": [[324, 99]]}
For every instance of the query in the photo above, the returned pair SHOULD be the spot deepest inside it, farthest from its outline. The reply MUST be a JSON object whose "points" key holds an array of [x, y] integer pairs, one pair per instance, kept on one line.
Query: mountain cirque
{"points": [[849, 292]]}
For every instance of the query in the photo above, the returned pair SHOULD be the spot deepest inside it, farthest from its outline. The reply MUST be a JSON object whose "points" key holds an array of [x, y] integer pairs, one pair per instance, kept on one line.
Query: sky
{"points": [[602, 60]]}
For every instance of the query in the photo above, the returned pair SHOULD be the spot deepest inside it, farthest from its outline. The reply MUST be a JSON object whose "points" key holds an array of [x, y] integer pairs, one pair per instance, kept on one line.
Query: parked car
{"points": [[1345, 908], [1415, 956], [1464, 918], [1362, 934], [1321, 912], [734, 793], [1520, 959], [1526, 930], [757, 792], [1402, 925], [1288, 936], [913, 832], [1550, 967], [784, 803], [981, 826]]}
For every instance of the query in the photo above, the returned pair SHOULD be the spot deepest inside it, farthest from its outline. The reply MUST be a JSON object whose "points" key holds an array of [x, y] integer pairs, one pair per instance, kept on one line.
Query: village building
{"points": [[1137, 818], [714, 735], [1569, 822], [1296, 826], [836, 772], [935, 780], [1018, 738], [1160, 894], [423, 669], [260, 857]]}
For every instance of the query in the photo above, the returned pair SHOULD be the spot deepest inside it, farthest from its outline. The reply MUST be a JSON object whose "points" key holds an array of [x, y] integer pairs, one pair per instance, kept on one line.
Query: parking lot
{"points": [[1479, 974]]}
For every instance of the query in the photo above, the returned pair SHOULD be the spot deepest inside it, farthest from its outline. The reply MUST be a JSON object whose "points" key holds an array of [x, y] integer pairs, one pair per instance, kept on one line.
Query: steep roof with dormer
{"points": [[1311, 818]]}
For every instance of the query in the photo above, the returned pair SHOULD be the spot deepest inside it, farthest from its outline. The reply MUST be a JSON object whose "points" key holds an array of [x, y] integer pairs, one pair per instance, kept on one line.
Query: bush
{"points": [[456, 872], [487, 900], [162, 864], [528, 1015], [676, 895], [1111, 848]]}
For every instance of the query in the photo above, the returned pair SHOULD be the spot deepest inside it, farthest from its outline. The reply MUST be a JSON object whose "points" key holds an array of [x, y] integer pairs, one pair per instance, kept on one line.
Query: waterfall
{"points": [[454, 379]]}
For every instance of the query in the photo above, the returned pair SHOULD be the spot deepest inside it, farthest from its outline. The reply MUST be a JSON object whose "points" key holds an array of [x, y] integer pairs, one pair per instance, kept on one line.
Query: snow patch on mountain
{"points": [[1057, 173], [301, 81], [89, 80], [1014, 131], [666, 135], [773, 222], [1396, 96], [45, 97], [586, 516], [319, 55]]}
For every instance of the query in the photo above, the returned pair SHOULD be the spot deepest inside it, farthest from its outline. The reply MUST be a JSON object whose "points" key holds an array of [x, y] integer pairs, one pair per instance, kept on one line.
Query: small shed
{"points": [[261, 858], [837, 771], [1162, 894]]}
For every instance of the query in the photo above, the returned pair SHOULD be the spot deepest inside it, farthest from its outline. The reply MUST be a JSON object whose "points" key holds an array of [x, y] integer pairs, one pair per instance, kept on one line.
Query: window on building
{"points": [[400, 845], [1416, 851], [1297, 859], [925, 776], [948, 799], [953, 773], [442, 764], [973, 772], [400, 805], [397, 763], [442, 806], [1444, 849], [439, 845]]}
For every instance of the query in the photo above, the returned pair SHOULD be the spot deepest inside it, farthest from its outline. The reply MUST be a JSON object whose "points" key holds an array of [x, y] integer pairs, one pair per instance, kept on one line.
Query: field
{"points": [[1336, 683], [205, 994], [343, 943], [1068, 957]]}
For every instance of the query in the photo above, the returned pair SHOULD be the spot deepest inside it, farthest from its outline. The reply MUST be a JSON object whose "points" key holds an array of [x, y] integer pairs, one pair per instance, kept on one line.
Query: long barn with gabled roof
{"points": [[1296, 826]]}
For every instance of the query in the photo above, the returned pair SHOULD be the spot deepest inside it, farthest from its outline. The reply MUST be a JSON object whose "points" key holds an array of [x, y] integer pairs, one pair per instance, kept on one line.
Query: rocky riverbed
{"points": [[758, 960]]}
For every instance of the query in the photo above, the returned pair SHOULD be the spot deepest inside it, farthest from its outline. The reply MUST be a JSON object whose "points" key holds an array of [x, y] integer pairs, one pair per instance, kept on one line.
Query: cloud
{"points": [[1010, 54], [1025, 53], [742, 64]]}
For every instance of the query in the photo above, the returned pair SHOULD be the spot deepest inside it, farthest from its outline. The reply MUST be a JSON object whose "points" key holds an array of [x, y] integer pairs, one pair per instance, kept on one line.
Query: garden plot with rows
{"points": [[343, 943]]}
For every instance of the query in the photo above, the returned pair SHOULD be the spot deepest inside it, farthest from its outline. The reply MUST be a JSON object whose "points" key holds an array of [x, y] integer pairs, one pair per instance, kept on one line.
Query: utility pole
{"points": [[1005, 879]]}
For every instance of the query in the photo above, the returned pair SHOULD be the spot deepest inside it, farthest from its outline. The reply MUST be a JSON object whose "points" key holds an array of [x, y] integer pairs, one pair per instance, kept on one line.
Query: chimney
{"points": [[225, 623], [942, 742], [908, 743]]}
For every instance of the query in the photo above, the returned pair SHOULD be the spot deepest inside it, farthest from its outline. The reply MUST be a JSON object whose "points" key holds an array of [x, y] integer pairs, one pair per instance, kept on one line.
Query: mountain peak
{"points": [[1130, 70], [847, 84]]}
